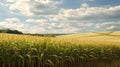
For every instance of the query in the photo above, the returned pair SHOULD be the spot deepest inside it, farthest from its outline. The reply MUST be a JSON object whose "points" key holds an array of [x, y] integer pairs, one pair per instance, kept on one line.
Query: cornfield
{"points": [[34, 51]]}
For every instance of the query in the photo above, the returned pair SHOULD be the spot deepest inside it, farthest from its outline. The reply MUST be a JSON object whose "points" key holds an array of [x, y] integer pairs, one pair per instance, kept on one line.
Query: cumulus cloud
{"points": [[60, 20], [12, 20], [86, 13], [37, 26], [11, 0], [37, 20], [82, 19], [35, 7], [59, 27], [48, 26], [12, 23], [113, 26], [89, 18], [3, 4]]}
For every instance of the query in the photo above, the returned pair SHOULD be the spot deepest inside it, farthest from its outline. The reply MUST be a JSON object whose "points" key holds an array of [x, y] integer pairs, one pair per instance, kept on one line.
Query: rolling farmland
{"points": [[75, 50]]}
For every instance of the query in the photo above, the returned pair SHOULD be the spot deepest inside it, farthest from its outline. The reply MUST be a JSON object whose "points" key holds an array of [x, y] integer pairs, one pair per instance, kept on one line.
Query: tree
{"points": [[10, 31]]}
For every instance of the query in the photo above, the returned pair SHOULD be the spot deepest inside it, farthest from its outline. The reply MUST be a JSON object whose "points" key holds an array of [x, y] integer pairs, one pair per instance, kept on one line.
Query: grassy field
{"points": [[75, 50]]}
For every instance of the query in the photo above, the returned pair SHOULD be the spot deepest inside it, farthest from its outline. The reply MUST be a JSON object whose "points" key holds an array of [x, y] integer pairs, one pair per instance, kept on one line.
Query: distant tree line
{"points": [[10, 31], [19, 32], [45, 35]]}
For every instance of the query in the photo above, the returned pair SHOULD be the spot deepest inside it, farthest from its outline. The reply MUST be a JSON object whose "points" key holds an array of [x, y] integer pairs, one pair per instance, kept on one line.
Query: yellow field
{"points": [[75, 50], [95, 38]]}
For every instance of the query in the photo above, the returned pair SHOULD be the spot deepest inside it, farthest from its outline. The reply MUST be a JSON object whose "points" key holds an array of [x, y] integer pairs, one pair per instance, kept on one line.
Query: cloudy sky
{"points": [[60, 16]]}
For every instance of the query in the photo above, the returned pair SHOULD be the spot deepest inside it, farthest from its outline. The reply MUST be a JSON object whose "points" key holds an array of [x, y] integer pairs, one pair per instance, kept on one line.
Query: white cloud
{"points": [[37, 21], [85, 5], [39, 26], [86, 13], [11, 0], [86, 18], [12, 23], [59, 20], [82, 19], [35, 7], [114, 26], [12, 20], [43, 26], [3, 4]]}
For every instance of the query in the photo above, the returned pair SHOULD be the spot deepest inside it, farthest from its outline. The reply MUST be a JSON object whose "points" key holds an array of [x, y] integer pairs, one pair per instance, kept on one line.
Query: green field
{"points": [[96, 49]]}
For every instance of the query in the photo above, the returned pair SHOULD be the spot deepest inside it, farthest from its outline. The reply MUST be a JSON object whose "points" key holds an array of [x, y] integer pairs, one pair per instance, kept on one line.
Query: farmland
{"points": [[75, 50]]}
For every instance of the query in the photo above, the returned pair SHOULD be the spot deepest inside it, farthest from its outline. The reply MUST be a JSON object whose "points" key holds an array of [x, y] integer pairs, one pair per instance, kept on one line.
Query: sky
{"points": [[60, 16]]}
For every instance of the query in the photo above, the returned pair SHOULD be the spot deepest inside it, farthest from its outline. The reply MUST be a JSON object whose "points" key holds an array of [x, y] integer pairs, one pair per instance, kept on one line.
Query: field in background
{"points": [[76, 50]]}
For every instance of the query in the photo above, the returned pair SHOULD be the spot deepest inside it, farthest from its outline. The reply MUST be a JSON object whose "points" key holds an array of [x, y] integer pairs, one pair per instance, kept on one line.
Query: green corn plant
{"points": [[20, 61], [50, 63], [28, 60]]}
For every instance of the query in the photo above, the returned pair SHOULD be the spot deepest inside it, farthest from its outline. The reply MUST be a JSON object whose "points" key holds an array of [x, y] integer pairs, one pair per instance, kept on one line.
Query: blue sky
{"points": [[60, 16]]}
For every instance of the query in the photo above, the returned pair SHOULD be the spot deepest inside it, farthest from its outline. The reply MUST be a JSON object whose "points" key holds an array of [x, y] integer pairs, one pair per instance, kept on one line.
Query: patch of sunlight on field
{"points": [[95, 38], [93, 35]]}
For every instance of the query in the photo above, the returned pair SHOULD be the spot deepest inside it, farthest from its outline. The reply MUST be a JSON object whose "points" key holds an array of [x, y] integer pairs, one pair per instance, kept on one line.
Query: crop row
{"points": [[31, 51]]}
